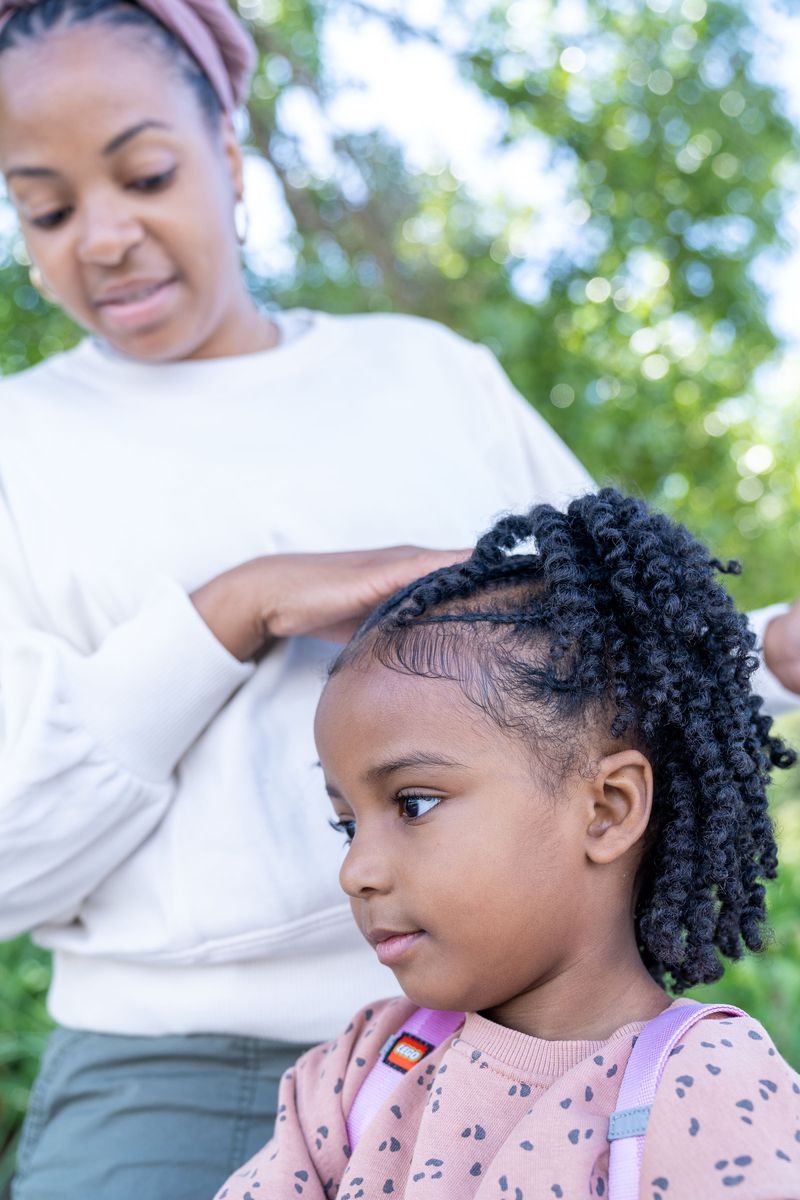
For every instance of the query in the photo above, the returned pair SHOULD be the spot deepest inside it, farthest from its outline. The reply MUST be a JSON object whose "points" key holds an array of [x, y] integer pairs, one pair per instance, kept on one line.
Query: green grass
{"points": [[767, 985]]}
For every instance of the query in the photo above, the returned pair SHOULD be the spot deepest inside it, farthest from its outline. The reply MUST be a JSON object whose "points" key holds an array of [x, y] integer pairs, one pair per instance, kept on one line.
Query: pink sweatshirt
{"points": [[493, 1114]]}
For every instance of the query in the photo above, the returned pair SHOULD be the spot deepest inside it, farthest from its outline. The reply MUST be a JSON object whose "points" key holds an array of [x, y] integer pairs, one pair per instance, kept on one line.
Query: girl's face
{"points": [[473, 881], [124, 192]]}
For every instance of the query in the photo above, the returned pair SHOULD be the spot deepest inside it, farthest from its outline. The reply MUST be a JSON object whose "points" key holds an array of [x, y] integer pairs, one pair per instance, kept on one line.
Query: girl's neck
{"points": [[588, 998]]}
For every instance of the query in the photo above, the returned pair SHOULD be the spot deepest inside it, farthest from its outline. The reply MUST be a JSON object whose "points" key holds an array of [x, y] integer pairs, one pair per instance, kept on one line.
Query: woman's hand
{"points": [[782, 648], [327, 595]]}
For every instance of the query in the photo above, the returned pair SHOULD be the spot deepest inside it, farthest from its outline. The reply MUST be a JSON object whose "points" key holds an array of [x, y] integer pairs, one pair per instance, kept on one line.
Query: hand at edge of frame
{"points": [[782, 648]]}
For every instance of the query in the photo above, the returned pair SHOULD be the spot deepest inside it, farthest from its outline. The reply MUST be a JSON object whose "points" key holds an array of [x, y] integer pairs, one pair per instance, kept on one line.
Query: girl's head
{"points": [[552, 759], [121, 159]]}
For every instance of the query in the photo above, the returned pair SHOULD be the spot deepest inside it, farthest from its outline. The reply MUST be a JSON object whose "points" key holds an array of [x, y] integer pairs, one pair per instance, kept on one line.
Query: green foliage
{"points": [[639, 336], [24, 976], [768, 985], [31, 329]]}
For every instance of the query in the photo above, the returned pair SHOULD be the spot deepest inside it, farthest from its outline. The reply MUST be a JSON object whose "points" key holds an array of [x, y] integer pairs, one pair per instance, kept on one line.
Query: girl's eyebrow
{"points": [[419, 758], [116, 143], [382, 770]]}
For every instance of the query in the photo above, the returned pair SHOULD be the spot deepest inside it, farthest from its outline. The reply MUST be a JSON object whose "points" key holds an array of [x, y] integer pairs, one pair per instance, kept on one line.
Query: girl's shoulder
{"points": [[726, 1116]]}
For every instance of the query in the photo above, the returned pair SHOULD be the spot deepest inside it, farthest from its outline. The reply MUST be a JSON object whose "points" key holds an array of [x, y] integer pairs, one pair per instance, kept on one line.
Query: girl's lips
{"points": [[393, 948], [145, 309]]}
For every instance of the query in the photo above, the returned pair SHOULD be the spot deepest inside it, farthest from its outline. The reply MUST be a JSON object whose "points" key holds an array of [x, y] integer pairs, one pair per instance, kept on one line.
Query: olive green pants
{"points": [[140, 1118]]}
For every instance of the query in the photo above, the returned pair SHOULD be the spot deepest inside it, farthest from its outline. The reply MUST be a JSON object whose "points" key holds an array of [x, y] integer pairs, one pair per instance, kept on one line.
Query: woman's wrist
{"points": [[232, 605]]}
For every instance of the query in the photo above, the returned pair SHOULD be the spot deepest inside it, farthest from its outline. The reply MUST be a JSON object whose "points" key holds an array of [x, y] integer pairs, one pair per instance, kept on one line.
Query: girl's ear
{"points": [[621, 800]]}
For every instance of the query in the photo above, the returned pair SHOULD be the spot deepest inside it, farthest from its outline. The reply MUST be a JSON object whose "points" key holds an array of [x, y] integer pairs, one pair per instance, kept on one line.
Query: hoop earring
{"points": [[37, 282], [241, 221]]}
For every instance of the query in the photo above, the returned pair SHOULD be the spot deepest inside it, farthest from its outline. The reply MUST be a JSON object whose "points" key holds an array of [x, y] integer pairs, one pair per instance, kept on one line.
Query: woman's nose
{"points": [[108, 231], [366, 867]]}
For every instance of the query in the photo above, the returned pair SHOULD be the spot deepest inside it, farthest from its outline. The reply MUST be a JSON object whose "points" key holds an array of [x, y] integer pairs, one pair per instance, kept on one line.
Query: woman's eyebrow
{"points": [[116, 143], [121, 139], [32, 172]]}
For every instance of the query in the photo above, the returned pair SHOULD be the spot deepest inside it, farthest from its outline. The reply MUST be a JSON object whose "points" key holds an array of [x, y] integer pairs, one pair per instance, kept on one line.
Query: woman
{"points": [[190, 502]]}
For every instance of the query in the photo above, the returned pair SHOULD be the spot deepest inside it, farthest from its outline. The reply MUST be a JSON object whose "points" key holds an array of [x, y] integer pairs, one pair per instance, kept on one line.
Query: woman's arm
{"points": [[89, 743]]}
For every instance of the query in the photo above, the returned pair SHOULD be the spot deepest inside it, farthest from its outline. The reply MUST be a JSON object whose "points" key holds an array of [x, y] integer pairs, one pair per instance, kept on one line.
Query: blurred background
{"points": [[607, 193]]}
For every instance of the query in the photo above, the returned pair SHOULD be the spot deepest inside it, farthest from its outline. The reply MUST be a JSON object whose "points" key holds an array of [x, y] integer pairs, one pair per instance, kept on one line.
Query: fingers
{"points": [[422, 563], [447, 558], [340, 633], [308, 594], [379, 585], [440, 558]]}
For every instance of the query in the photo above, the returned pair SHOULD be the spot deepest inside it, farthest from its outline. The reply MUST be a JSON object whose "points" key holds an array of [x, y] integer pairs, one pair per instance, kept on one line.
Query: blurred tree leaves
{"points": [[640, 336]]}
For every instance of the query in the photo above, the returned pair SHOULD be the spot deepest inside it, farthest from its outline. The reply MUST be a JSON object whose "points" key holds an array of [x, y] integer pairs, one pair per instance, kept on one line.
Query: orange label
{"points": [[406, 1051]]}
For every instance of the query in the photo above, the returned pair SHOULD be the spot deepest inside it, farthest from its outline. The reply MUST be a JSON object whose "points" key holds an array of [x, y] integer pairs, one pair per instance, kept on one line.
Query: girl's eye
{"points": [[412, 807], [153, 183], [51, 219], [345, 825]]}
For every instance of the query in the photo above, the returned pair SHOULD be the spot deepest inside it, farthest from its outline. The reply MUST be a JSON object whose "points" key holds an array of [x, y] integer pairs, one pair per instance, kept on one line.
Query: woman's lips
{"points": [[391, 949], [137, 306]]}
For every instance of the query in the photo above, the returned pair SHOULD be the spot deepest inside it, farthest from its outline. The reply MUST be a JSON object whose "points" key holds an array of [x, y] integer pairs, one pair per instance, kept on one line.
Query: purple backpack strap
{"points": [[627, 1126], [424, 1030]]}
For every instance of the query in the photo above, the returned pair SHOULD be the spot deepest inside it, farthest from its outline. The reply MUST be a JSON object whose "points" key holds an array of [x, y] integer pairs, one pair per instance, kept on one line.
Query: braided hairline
{"points": [[625, 609]]}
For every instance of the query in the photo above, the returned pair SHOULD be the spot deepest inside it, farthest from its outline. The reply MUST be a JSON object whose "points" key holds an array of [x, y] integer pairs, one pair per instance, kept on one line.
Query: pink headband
{"points": [[209, 29]]}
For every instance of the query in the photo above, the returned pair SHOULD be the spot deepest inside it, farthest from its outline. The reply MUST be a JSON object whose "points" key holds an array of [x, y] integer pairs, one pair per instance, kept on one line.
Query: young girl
{"points": [[550, 770]]}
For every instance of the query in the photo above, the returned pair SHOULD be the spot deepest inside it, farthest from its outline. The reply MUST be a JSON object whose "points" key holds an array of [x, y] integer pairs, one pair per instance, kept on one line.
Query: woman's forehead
{"points": [[87, 82]]}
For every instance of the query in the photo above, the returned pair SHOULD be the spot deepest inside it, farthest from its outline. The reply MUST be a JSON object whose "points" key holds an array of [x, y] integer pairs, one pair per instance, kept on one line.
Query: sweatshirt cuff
{"points": [[777, 699], [155, 683]]}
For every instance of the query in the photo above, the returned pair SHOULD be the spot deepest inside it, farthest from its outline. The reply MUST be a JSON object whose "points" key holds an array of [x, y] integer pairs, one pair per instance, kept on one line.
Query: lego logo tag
{"points": [[405, 1051]]}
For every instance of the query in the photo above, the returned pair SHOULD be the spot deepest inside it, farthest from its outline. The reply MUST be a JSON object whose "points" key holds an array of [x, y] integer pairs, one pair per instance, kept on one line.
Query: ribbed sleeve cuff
{"points": [[777, 699], [154, 684]]}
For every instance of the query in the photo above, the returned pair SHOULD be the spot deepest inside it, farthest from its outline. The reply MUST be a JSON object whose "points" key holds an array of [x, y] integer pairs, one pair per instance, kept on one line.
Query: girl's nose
{"points": [[366, 868], [107, 233]]}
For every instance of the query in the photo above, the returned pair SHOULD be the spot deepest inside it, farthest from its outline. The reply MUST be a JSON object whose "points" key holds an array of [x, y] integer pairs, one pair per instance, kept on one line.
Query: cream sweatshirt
{"points": [[163, 824]]}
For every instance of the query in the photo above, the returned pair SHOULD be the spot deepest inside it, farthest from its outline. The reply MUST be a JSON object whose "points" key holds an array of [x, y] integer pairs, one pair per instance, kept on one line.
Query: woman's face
{"points": [[124, 192]]}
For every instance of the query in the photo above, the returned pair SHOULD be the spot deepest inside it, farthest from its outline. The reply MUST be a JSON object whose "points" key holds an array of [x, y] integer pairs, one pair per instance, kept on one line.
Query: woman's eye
{"points": [[346, 826], [153, 183], [416, 806], [51, 219]]}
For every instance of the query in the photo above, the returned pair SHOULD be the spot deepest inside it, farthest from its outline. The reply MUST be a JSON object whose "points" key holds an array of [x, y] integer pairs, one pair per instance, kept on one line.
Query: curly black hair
{"points": [[32, 21], [616, 627]]}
